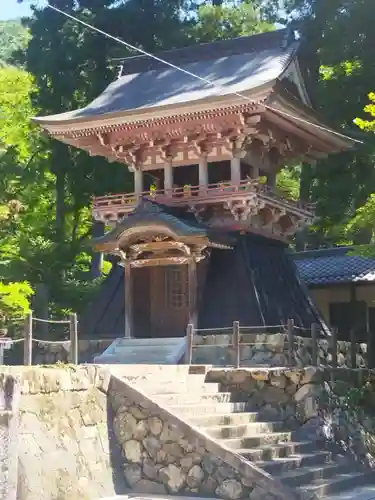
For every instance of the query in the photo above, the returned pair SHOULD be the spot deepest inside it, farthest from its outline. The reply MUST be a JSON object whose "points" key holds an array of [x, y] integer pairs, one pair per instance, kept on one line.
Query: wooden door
{"points": [[169, 299]]}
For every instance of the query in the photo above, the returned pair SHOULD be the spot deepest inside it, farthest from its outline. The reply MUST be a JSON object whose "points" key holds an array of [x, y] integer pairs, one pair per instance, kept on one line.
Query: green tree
{"points": [[229, 20], [14, 38], [14, 303]]}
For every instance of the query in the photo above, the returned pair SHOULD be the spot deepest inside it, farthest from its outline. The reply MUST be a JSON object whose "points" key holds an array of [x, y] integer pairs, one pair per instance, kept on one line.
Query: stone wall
{"points": [[271, 350], [313, 401], [46, 354], [165, 455], [65, 451]]}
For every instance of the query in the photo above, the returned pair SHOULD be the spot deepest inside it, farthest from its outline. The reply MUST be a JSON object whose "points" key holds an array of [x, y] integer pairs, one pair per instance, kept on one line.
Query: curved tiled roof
{"points": [[181, 222], [334, 266], [236, 65]]}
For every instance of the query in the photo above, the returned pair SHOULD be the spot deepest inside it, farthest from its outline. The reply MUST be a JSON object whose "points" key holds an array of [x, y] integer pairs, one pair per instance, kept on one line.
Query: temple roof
{"points": [[237, 65], [183, 225], [334, 266]]}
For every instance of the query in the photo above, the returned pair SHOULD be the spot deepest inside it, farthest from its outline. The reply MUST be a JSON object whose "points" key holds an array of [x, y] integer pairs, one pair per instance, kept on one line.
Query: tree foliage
{"points": [[14, 303], [14, 38], [228, 20]]}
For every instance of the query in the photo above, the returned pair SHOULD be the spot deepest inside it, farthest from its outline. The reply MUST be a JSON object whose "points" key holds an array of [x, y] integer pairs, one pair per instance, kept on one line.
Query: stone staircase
{"points": [[300, 464]]}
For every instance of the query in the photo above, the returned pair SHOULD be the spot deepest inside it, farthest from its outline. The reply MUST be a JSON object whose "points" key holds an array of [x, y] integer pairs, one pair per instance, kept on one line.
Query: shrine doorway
{"points": [[161, 301]]}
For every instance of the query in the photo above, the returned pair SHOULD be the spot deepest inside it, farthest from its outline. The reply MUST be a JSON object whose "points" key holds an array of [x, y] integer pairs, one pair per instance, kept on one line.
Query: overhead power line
{"points": [[197, 77]]}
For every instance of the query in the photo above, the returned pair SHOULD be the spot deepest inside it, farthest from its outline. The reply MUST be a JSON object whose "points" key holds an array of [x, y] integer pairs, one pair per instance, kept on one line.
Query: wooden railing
{"points": [[291, 344], [182, 195]]}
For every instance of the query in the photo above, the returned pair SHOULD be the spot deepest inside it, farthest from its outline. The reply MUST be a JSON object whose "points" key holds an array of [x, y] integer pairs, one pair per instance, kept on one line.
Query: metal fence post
{"points": [[334, 346], [73, 330], [236, 343], [314, 346], [28, 340], [189, 344], [290, 342]]}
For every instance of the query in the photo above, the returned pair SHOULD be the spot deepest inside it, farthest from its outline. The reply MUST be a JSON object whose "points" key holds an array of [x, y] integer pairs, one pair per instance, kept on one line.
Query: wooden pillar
{"points": [[128, 299], [168, 176], [203, 173], [271, 178], [193, 286], [255, 172], [138, 181], [235, 170]]}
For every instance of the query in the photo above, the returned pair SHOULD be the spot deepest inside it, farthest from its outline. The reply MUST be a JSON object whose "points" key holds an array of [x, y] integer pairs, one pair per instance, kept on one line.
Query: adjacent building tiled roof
{"points": [[234, 65], [334, 266]]}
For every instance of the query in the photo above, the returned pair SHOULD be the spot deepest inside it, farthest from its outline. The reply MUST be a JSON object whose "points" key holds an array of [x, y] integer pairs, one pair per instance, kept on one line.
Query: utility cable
{"points": [[197, 77]]}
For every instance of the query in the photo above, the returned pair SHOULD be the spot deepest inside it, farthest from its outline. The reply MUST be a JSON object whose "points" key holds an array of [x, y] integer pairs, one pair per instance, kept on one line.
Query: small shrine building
{"points": [[203, 238]]}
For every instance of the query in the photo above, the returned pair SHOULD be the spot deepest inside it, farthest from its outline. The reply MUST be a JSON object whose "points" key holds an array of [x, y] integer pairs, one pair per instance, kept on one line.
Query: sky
{"points": [[11, 9]]}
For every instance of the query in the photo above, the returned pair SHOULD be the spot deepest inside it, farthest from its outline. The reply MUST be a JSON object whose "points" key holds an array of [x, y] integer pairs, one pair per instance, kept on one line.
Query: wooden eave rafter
{"points": [[89, 125], [313, 125]]}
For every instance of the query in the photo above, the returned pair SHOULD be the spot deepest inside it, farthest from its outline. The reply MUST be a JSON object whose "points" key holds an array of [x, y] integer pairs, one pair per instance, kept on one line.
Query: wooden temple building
{"points": [[203, 237]]}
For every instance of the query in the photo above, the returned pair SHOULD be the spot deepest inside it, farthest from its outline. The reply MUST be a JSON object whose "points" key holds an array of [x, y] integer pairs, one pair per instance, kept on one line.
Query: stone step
{"points": [[341, 482], [164, 377], [254, 441], [281, 465], [162, 372], [244, 430], [209, 408], [275, 451], [190, 398], [306, 475], [183, 388], [208, 420]]}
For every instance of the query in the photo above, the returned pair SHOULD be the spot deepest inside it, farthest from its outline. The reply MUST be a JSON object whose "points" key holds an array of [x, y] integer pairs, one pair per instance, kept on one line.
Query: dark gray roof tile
{"points": [[334, 266], [234, 65]]}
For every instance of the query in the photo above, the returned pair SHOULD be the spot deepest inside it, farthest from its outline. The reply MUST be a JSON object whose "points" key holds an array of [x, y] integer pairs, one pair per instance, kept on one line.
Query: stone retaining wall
{"points": [[271, 350], [65, 451], [165, 455], [47, 354]]}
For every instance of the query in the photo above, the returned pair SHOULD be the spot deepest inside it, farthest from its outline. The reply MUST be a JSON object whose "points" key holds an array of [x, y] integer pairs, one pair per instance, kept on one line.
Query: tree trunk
{"points": [[41, 309]]}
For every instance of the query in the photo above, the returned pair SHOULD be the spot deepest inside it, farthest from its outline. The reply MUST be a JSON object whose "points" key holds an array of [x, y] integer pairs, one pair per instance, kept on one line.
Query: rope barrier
{"points": [[53, 321], [55, 342], [11, 341], [241, 344], [261, 327], [225, 328], [38, 341]]}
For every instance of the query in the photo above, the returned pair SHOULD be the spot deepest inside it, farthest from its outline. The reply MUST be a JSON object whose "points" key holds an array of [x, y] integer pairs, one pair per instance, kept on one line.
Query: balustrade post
{"points": [[28, 340], [353, 348], [290, 325], [236, 344], [73, 330], [333, 346], [314, 345], [189, 344]]}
